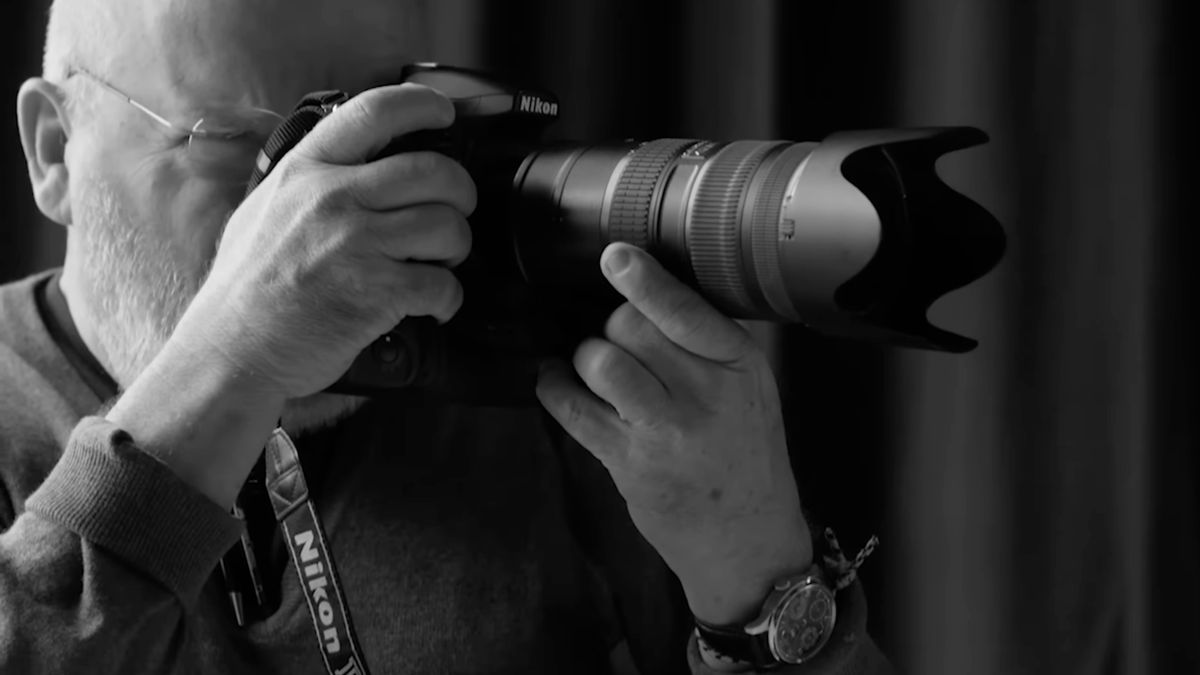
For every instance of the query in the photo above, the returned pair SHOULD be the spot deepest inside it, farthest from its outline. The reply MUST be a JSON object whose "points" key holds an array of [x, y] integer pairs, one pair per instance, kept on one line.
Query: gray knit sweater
{"points": [[468, 540]]}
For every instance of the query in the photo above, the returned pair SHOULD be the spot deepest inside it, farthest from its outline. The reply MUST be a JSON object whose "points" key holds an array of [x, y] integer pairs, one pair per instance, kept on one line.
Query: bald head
{"points": [[263, 52], [76, 34]]}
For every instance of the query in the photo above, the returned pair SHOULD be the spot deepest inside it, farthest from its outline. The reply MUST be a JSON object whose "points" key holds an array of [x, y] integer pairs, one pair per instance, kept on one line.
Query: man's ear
{"points": [[45, 128]]}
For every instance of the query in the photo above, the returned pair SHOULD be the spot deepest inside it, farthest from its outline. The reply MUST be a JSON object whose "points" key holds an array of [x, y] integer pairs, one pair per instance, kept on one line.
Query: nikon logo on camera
{"points": [[532, 103]]}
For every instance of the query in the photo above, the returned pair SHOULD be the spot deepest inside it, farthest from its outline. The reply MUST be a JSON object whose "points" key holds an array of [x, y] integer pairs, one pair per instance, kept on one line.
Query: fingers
{"points": [[677, 369], [363, 126], [680, 313], [589, 420], [622, 381], [432, 233], [419, 289], [412, 178]]}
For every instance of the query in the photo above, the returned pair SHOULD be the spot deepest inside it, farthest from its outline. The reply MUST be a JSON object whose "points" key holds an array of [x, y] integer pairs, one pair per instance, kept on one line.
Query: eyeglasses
{"points": [[225, 136]]}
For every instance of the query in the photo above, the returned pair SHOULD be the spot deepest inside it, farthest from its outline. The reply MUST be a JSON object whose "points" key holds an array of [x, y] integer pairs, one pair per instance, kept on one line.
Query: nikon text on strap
{"points": [[311, 557]]}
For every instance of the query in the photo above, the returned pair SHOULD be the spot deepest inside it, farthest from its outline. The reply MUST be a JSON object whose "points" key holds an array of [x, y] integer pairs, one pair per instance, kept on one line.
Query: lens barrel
{"points": [[817, 233]]}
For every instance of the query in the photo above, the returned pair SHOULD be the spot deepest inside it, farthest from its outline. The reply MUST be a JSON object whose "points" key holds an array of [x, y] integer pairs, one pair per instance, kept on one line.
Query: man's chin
{"points": [[318, 411]]}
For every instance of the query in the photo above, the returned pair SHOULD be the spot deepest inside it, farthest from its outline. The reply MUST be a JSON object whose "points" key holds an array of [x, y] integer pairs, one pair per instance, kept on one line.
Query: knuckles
{"points": [[363, 110], [628, 325], [329, 248], [411, 167], [370, 107], [461, 239], [684, 316], [442, 108], [596, 360], [459, 183], [294, 168], [443, 176], [299, 251], [427, 289], [572, 411]]}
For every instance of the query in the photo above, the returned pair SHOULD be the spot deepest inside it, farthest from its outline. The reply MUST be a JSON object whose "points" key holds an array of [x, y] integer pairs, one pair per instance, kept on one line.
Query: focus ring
{"points": [[713, 233], [629, 216]]}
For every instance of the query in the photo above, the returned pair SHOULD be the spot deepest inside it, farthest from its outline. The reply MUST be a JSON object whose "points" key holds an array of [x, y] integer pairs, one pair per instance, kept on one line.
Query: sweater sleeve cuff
{"points": [[849, 650], [110, 493]]}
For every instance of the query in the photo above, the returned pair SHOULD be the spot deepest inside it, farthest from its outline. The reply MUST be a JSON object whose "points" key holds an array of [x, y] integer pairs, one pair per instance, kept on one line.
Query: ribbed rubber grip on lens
{"points": [[629, 216], [714, 232]]}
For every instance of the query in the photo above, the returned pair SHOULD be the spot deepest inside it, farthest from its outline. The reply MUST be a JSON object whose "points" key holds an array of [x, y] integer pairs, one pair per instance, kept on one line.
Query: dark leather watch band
{"points": [[737, 644], [795, 622]]}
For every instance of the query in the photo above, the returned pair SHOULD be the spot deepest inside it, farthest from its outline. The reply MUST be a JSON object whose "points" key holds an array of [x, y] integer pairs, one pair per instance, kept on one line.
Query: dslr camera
{"points": [[854, 236]]}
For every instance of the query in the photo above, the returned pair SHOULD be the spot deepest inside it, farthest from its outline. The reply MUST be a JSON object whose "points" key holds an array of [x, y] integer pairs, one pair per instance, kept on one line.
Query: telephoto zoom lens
{"points": [[854, 236]]}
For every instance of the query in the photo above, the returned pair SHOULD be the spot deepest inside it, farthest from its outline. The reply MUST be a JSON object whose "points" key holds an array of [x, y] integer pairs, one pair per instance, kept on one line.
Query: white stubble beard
{"points": [[136, 295]]}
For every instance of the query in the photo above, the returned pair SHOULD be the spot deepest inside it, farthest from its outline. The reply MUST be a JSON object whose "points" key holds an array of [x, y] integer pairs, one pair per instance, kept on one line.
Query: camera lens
{"points": [[713, 213], [697, 206], [854, 236]]}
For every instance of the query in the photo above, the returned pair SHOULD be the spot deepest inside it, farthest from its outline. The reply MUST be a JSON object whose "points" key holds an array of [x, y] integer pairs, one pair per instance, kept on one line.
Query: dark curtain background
{"points": [[1036, 498]]}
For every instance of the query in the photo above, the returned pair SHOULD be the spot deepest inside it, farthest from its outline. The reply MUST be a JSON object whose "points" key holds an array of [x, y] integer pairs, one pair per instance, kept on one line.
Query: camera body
{"points": [[490, 351], [854, 236]]}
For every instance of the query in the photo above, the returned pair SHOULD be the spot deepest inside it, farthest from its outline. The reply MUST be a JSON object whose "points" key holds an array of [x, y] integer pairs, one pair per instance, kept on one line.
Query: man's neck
{"points": [[71, 286], [56, 311]]}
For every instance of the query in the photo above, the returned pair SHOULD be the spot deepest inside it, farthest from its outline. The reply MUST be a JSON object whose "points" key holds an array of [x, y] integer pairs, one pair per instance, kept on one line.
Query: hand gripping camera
{"points": [[855, 236]]}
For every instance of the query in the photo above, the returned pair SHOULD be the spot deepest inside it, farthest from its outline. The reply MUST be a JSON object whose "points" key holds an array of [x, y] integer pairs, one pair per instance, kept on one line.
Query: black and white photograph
{"points": [[598, 337]]}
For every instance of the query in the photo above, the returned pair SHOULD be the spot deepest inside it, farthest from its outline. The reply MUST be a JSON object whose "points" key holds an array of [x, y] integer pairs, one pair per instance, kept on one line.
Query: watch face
{"points": [[802, 624]]}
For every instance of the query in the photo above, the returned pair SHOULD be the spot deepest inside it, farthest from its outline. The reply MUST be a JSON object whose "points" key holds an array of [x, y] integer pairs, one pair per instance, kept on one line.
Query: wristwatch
{"points": [[796, 621]]}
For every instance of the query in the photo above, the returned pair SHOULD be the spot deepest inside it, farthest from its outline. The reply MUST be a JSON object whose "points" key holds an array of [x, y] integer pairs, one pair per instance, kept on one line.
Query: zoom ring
{"points": [[713, 233], [630, 214]]}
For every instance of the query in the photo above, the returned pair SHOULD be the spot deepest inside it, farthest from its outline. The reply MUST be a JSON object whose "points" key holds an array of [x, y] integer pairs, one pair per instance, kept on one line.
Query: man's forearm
{"points": [[734, 594], [203, 421], [101, 570]]}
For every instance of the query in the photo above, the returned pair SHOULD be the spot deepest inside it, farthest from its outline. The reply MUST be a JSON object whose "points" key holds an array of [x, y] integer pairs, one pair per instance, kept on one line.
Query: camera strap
{"points": [[308, 112], [309, 550]]}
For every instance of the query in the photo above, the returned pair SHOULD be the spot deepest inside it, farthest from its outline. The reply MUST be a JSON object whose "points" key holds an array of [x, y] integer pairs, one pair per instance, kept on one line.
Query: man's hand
{"points": [[684, 413], [333, 249], [330, 251]]}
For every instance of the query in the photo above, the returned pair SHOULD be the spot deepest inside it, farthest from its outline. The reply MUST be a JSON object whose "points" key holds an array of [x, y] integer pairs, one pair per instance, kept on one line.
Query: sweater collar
{"points": [[56, 314]]}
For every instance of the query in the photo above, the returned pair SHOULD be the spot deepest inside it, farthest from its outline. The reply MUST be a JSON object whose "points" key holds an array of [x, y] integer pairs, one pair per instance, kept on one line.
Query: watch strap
{"points": [[849, 649], [750, 643], [735, 645]]}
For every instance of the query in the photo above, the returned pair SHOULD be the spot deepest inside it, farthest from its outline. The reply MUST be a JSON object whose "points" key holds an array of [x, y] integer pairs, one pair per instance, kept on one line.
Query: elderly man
{"points": [[140, 383]]}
